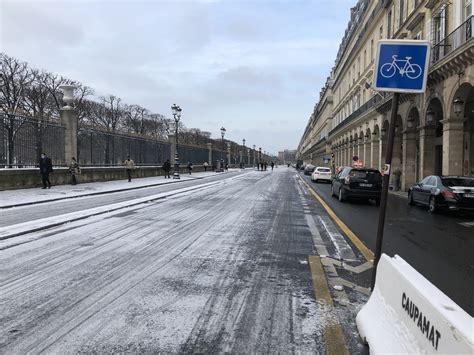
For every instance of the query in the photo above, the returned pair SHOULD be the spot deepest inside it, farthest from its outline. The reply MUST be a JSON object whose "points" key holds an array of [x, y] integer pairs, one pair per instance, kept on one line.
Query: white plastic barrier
{"points": [[407, 314]]}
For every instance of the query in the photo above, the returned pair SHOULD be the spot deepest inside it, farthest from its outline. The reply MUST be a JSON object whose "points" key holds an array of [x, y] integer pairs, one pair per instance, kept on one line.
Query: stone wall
{"points": [[25, 178]]}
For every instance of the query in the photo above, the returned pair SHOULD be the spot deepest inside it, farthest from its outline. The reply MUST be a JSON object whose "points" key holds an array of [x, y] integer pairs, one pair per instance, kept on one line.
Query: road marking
{"points": [[343, 248], [467, 224], [333, 335], [368, 254], [354, 269]]}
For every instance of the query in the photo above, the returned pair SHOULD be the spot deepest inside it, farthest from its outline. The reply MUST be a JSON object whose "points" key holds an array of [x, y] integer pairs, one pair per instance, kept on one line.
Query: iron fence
{"points": [[454, 40], [23, 139], [99, 148], [194, 155]]}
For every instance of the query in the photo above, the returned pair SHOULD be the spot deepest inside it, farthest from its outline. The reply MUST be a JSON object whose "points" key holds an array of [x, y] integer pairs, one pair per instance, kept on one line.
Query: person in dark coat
{"points": [[167, 168], [190, 167], [46, 167], [272, 165], [265, 165]]}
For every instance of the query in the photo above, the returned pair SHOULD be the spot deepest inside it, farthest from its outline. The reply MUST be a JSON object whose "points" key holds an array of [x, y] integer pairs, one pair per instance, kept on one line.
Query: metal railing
{"points": [[99, 148], [23, 139], [454, 40], [373, 101]]}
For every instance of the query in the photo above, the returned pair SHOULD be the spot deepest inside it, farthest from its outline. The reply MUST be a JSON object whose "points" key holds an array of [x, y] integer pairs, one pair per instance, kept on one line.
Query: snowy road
{"points": [[222, 269]]}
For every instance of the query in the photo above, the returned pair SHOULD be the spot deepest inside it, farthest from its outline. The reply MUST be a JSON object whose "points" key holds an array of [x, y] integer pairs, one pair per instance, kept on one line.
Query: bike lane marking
{"points": [[366, 252]]}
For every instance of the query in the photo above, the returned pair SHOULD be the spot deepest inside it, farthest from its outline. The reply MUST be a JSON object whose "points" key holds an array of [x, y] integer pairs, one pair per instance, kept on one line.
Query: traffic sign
{"points": [[401, 66]]}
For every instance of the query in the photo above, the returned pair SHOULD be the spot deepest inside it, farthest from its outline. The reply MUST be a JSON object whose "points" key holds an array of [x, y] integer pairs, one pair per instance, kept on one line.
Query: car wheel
{"points": [[341, 196], [410, 199], [432, 205]]}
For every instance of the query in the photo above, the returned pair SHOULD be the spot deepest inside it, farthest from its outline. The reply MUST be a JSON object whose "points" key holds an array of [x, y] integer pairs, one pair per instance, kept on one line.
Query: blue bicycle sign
{"points": [[401, 66], [404, 66]]}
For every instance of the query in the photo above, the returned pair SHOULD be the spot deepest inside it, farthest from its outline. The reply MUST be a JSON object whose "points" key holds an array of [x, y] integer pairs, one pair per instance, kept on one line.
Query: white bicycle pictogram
{"points": [[404, 66]]}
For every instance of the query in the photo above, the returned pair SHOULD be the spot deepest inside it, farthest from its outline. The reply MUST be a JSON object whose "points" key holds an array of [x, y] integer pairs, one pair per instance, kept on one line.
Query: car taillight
{"points": [[347, 179], [447, 194]]}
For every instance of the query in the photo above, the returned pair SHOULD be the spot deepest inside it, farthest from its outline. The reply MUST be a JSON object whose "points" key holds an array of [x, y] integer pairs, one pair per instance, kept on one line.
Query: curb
{"points": [[95, 193], [104, 209]]}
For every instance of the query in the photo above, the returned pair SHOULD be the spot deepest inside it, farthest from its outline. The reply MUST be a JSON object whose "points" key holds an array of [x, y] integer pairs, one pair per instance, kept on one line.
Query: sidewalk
{"points": [[15, 198], [401, 194]]}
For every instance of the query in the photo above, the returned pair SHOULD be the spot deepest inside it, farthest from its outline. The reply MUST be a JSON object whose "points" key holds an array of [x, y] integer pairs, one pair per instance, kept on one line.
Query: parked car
{"points": [[357, 183], [308, 169], [321, 173], [443, 192]]}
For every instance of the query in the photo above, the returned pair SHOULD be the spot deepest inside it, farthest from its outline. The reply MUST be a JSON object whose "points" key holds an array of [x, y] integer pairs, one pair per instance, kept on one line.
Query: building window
{"points": [[466, 9], [402, 13], [371, 50], [439, 25], [389, 24]]}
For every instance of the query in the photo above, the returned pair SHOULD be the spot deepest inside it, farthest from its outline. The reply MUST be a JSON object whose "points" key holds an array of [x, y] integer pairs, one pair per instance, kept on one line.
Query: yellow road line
{"points": [[333, 335], [368, 254]]}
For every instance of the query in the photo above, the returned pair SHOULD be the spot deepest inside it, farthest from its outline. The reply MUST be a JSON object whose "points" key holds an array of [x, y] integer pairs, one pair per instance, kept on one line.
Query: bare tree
{"points": [[15, 79], [135, 118]]}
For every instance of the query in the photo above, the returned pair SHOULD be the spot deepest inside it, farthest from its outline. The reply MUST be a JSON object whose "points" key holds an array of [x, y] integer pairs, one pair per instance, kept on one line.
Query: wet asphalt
{"points": [[438, 245]]}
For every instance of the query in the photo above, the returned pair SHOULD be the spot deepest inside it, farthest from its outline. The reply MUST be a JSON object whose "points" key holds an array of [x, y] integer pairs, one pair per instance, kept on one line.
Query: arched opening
{"points": [[384, 142], [431, 139], [367, 148], [397, 156], [375, 146], [411, 150], [461, 138]]}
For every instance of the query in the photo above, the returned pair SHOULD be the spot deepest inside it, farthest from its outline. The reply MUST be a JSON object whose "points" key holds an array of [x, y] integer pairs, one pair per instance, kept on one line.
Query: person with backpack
{"points": [[129, 166], [74, 170]]}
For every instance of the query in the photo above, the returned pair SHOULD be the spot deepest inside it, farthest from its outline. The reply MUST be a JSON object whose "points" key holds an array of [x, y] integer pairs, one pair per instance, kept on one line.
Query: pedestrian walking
{"points": [[129, 167], [272, 165], [397, 173], [265, 165], [167, 168], [258, 166], [190, 167], [205, 166], [46, 167], [226, 166], [74, 170]]}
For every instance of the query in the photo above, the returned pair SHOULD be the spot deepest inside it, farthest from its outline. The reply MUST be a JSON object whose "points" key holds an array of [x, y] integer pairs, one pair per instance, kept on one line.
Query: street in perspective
{"points": [[237, 177]]}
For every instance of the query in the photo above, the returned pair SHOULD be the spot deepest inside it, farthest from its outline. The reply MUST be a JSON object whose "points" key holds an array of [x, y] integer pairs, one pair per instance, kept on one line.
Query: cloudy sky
{"points": [[252, 66]]}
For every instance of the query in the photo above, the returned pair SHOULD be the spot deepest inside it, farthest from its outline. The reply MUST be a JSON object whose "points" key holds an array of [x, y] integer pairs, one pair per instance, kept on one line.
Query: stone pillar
{"points": [[209, 147], [69, 119], [368, 153], [228, 153], [453, 139], [375, 152], [427, 151], [409, 160], [248, 156], [382, 153], [172, 140], [241, 157]]}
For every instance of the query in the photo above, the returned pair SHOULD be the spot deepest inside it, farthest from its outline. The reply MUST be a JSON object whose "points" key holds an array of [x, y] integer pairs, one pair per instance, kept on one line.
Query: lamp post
{"points": [[176, 110], [254, 153], [223, 130], [243, 153]]}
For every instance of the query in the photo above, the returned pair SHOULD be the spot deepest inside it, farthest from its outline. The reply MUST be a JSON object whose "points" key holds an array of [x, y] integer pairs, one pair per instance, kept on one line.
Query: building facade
{"points": [[287, 156], [434, 130]]}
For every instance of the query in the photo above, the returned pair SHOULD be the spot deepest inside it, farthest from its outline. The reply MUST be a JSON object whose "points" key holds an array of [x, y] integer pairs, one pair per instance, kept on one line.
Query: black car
{"points": [[308, 169], [443, 192], [357, 183]]}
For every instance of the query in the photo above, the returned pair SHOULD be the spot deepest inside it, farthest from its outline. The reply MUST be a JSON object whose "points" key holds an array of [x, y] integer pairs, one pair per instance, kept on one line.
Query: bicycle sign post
{"points": [[401, 66]]}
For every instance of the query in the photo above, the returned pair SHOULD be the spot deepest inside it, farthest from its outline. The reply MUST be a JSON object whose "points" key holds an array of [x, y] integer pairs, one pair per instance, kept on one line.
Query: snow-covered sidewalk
{"points": [[11, 198]]}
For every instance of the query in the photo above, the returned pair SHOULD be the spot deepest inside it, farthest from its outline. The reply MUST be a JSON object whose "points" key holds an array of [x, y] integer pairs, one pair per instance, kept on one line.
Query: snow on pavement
{"points": [[33, 195], [205, 272]]}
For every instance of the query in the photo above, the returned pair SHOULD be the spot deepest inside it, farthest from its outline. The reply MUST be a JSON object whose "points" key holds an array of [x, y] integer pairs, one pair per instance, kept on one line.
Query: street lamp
{"points": [[243, 153], [176, 110], [458, 105], [223, 130]]}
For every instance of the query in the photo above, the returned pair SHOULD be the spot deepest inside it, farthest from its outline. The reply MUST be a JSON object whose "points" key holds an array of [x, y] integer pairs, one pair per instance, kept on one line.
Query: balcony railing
{"points": [[373, 101], [454, 40]]}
